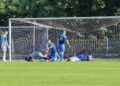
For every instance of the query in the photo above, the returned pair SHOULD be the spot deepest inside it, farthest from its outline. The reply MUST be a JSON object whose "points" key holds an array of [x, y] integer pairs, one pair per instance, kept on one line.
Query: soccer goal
{"points": [[99, 35]]}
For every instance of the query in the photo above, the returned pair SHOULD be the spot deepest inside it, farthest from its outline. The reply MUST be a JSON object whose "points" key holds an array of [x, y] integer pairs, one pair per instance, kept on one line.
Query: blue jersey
{"points": [[3, 38], [83, 57], [53, 48], [62, 38]]}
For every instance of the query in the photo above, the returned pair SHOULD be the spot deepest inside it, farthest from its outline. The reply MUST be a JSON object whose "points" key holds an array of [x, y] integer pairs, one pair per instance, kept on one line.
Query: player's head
{"points": [[6, 32], [49, 41], [64, 31]]}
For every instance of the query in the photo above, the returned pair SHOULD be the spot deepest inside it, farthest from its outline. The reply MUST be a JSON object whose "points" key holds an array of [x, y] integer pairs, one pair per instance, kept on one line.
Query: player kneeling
{"points": [[53, 54]]}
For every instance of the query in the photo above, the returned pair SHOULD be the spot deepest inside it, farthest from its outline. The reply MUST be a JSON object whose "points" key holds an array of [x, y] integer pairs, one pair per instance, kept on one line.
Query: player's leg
{"points": [[54, 57], [61, 56], [50, 57], [58, 57], [4, 49], [62, 50], [4, 56]]}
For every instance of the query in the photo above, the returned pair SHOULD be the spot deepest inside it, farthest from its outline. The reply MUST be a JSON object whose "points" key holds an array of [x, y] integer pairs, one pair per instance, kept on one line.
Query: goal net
{"points": [[99, 35]]}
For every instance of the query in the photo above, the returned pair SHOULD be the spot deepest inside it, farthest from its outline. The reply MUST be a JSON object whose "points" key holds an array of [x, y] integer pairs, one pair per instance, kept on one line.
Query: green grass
{"points": [[60, 74]]}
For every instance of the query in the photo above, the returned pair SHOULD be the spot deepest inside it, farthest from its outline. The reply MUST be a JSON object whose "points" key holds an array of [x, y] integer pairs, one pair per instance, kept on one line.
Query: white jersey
{"points": [[90, 57], [36, 54], [74, 59]]}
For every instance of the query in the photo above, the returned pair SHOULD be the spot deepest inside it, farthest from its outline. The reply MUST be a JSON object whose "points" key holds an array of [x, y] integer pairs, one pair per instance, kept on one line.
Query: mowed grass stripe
{"points": [[60, 74]]}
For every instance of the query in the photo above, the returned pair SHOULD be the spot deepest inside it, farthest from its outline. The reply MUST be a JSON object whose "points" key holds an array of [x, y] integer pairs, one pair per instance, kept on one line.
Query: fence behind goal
{"points": [[98, 35]]}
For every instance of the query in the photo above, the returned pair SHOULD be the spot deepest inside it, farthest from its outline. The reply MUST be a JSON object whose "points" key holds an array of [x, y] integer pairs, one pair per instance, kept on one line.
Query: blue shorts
{"points": [[61, 47], [53, 55], [4, 47]]}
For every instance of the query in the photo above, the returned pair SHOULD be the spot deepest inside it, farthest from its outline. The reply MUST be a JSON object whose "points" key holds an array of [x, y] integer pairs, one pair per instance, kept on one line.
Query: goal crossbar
{"points": [[59, 18]]}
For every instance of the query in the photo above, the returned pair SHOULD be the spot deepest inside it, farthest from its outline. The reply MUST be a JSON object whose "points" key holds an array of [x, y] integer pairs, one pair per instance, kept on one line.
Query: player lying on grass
{"points": [[83, 56], [36, 55], [62, 38]]}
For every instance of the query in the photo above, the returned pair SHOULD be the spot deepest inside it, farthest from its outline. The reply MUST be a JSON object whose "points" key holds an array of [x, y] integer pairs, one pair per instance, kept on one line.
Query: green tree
{"points": [[56, 8]]}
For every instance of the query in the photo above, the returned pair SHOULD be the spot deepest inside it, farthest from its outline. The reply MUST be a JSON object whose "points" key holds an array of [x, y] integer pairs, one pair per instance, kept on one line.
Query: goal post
{"points": [[99, 35], [10, 40]]}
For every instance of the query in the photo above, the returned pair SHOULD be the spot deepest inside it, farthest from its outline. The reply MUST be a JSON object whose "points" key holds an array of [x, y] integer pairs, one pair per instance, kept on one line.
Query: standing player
{"points": [[4, 44], [61, 44], [53, 51]]}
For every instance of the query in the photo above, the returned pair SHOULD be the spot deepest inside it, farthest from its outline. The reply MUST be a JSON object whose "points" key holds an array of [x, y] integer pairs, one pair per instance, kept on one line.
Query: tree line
{"points": [[57, 8]]}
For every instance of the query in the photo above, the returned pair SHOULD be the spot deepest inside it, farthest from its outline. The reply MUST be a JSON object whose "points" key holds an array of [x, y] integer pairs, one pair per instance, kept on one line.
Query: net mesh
{"points": [[27, 38], [100, 35]]}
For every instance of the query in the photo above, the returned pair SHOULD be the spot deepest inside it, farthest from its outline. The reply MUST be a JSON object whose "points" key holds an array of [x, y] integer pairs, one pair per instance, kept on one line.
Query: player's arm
{"points": [[6, 42], [68, 43], [51, 46], [57, 40], [46, 53]]}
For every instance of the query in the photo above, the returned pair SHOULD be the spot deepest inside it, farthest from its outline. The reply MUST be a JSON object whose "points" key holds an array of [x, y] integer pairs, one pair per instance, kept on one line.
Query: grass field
{"points": [[60, 74]]}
